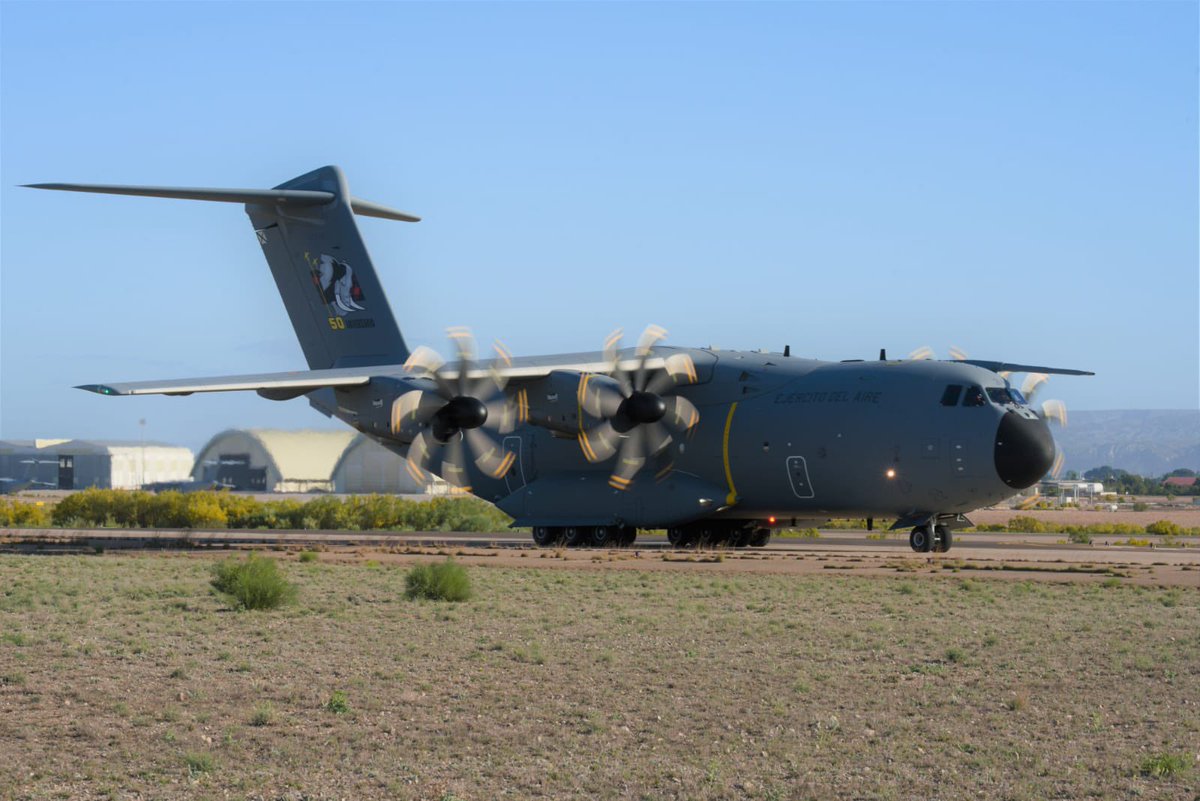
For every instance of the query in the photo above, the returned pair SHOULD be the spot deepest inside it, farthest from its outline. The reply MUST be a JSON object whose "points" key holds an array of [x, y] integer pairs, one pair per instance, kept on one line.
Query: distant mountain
{"points": [[1146, 442]]}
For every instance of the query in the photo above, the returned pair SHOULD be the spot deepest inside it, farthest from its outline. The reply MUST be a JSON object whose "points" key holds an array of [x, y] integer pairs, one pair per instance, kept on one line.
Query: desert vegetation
{"points": [[126, 676]]}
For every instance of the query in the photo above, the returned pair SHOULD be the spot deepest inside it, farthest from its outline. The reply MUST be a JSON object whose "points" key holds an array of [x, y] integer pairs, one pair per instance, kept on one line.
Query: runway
{"points": [[1008, 555]]}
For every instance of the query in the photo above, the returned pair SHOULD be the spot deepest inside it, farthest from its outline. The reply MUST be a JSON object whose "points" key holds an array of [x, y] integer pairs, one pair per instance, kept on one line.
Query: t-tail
{"points": [[308, 234]]}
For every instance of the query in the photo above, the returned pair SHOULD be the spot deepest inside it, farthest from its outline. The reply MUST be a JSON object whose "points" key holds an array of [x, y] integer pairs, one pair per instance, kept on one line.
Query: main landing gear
{"points": [[737, 535], [923, 540], [584, 536]]}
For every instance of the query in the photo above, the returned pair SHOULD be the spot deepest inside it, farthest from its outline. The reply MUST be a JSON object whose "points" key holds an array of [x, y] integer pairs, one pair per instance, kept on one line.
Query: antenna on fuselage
{"points": [[883, 354], [787, 350]]}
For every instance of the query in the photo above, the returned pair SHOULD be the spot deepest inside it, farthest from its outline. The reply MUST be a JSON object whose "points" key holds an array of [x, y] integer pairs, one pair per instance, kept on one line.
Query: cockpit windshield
{"points": [[1005, 395]]}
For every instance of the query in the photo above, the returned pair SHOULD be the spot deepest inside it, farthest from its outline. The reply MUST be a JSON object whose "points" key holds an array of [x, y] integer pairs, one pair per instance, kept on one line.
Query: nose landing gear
{"points": [[931, 539]]}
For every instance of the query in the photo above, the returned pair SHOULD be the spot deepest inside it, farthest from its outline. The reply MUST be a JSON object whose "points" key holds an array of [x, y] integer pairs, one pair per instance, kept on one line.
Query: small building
{"points": [[370, 467], [271, 460], [1180, 482], [80, 463]]}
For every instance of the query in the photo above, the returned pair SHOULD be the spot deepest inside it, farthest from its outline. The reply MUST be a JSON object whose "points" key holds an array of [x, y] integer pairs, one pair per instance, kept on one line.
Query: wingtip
{"points": [[99, 389]]}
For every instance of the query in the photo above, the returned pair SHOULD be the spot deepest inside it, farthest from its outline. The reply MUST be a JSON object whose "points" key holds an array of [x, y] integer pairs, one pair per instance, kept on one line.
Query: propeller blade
{"points": [[1032, 384], [490, 457], [1056, 469], [682, 414], [630, 459], [678, 368], [424, 359], [599, 442], [464, 346], [418, 455], [612, 346], [664, 464], [415, 406], [921, 354], [1055, 410], [652, 335], [598, 398], [454, 468], [957, 354], [657, 438]]}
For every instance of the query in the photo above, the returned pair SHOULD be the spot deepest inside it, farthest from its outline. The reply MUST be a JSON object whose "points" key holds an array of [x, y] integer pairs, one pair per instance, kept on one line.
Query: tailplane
{"points": [[308, 234]]}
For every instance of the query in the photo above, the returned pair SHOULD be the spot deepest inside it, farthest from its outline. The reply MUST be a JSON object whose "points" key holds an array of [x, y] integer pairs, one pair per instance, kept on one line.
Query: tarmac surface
{"points": [[1008, 555]]}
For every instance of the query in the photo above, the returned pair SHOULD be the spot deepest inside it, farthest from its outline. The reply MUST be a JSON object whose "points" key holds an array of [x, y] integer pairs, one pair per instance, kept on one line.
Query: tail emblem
{"points": [[337, 283]]}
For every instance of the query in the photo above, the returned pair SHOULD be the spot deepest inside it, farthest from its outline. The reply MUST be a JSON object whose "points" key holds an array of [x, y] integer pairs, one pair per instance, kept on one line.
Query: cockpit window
{"points": [[950, 396], [999, 395], [1005, 395], [974, 397]]}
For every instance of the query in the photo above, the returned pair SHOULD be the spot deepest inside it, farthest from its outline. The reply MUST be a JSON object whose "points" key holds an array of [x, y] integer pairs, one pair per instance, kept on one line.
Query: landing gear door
{"points": [[514, 479], [797, 469]]}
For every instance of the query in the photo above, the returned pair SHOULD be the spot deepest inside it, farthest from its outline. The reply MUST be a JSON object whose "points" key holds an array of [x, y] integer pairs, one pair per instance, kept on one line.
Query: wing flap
{"points": [[997, 367]]}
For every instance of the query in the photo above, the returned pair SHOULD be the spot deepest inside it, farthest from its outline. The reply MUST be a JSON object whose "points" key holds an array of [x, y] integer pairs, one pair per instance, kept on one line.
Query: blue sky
{"points": [[1015, 179]]}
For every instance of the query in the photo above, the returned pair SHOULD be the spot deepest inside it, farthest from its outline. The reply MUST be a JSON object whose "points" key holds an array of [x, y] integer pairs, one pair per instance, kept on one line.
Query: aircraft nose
{"points": [[1024, 450]]}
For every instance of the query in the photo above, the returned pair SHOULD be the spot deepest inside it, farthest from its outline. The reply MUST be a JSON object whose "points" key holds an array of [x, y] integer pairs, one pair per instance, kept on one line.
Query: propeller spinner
{"points": [[457, 420], [638, 409]]}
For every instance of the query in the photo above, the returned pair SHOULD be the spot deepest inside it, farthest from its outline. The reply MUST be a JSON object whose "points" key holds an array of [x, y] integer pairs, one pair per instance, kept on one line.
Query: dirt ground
{"points": [[123, 676]]}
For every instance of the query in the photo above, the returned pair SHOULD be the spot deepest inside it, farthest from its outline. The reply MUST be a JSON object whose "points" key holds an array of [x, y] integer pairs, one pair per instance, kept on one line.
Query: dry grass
{"points": [[135, 681]]}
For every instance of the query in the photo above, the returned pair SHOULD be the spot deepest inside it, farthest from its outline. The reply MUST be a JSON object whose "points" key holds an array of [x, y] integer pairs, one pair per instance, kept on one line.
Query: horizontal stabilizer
{"points": [[277, 197], [279, 385], [997, 367]]}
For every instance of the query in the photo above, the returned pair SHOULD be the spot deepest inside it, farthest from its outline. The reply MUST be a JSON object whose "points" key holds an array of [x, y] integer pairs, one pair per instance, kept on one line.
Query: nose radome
{"points": [[1024, 450]]}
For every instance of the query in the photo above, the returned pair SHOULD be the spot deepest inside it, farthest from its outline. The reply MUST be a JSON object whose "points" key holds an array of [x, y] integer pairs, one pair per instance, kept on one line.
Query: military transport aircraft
{"points": [[586, 448]]}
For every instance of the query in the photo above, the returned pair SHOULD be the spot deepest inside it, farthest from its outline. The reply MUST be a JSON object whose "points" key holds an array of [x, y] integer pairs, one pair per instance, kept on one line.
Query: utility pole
{"points": [[142, 466]]}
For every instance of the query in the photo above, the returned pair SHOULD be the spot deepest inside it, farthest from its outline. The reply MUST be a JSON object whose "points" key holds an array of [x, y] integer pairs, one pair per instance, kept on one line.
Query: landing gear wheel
{"points": [[741, 537], [626, 537], [545, 536], [574, 536], [601, 535], [942, 539], [680, 537], [920, 540], [760, 537]]}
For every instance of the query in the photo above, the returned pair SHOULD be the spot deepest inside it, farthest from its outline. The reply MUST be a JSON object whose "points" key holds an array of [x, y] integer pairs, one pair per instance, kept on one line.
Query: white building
{"points": [[79, 463]]}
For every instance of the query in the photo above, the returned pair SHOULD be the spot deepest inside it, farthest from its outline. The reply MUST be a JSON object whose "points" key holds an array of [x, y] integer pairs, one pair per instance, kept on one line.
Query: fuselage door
{"points": [[514, 479], [797, 469]]}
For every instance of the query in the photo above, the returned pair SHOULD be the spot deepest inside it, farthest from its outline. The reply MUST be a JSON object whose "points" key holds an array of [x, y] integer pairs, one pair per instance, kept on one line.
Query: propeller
{"points": [[925, 353], [637, 407], [1052, 410], [457, 420]]}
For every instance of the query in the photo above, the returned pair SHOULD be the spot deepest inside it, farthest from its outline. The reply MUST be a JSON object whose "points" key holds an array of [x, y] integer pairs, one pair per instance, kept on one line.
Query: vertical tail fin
{"points": [[325, 276], [307, 231]]}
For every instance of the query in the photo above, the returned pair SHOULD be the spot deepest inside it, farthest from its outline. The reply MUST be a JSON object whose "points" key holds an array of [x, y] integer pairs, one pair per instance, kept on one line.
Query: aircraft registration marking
{"points": [[829, 397]]}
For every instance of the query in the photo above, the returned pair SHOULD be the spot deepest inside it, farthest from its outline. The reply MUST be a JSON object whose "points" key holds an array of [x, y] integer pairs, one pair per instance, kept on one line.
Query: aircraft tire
{"points": [[627, 536], [574, 536], [942, 539], [678, 536], [546, 536], [741, 538], [919, 539], [599, 536], [760, 537]]}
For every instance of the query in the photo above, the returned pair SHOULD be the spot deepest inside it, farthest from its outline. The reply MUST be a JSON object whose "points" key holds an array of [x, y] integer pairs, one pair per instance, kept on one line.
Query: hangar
{"points": [[271, 460], [80, 463], [366, 467]]}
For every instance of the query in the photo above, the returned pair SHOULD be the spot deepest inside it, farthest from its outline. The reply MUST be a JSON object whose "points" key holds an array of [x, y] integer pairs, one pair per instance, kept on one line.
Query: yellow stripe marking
{"points": [[731, 498]]}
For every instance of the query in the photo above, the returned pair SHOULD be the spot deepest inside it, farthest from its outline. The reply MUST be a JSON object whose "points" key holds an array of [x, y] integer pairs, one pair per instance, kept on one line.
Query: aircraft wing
{"points": [[997, 367], [282, 386]]}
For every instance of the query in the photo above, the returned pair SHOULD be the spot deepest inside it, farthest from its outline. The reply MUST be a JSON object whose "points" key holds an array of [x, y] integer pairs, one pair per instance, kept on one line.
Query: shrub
{"points": [[1164, 527], [337, 703], [22, 513], [445, 581], [263, 715], [308, 556], [252, 583], [1081, 537], [198, 763], [1164, 765]]}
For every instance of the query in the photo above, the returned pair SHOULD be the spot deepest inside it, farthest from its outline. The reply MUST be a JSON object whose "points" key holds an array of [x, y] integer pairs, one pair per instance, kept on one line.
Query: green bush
{"points": [[445, 581], [1165, 765], [23, 513], [1081, 537], [252, 583], [1165, 528]]}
